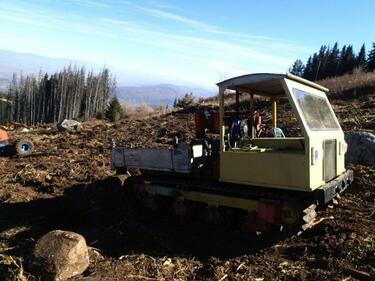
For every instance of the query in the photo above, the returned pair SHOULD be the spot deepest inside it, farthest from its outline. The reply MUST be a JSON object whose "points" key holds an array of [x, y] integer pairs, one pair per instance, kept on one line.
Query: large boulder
{"points": [[59, 255], [361, 147], [69, 125]]}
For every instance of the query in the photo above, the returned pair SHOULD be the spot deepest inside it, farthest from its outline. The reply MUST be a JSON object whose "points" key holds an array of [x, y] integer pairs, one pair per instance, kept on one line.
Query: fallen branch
{"points": [[141, 277], [358, 273], [222, 278]]}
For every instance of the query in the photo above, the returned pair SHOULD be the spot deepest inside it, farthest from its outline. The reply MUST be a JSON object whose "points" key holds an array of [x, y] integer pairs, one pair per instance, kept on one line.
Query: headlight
{"points": [[343, 148], [316, 155]]}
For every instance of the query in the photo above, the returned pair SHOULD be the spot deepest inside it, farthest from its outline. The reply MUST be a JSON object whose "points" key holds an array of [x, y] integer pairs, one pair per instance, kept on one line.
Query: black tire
{"points": [[24, 147]]}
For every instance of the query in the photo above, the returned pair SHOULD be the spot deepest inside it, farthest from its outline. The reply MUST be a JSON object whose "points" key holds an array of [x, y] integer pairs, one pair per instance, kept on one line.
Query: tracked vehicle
{"points": [[244, 177]]}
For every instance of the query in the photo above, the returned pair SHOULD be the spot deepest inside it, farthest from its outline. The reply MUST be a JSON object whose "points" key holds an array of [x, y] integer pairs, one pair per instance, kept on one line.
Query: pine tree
{"points": [[371, 59], [350, 59], [315, 65], [297, 68], [321, 71], [307, 73], [361, 58], [347, 60], [333, 61], [330, 62], [341, 65], [114, 111]]}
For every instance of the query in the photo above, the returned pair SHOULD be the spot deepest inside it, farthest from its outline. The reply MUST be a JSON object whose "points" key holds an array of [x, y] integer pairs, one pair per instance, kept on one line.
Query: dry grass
{"points": [[142, 111], [357, 81], [229, 99]]}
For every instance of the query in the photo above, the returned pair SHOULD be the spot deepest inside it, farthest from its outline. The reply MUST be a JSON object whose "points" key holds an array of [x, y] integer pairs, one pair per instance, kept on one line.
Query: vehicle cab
{"points": [[306, 162]]}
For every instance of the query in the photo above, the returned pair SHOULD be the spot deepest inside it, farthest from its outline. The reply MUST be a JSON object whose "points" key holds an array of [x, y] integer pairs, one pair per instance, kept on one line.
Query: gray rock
{"points": [[59, 255], [361, 148], [69, 125]]}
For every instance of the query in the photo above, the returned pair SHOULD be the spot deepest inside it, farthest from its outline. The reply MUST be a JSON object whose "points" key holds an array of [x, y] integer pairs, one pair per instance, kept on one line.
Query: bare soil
{"points": [[68, 184]]}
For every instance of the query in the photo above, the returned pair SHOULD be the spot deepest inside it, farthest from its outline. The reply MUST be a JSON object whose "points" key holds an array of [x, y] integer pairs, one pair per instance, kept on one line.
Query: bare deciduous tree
{"points": [[66, 94]]}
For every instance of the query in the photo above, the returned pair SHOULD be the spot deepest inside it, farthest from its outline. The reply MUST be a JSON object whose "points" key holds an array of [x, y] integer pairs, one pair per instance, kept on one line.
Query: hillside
{"points": [[68, 184]]}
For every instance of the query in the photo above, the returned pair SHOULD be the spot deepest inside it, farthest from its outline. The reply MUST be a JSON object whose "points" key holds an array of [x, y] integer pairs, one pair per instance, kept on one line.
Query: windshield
{"points": [[316, 111]]}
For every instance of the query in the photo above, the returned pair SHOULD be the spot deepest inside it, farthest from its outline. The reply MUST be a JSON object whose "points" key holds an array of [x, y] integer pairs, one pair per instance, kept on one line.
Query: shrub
{"points": [[114, 112], [143, 109], [184, 102]]}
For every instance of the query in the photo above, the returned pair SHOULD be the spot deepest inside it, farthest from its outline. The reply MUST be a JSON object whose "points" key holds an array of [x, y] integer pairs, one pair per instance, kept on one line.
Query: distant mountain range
{"points": [[160, 94], [138, 91]]}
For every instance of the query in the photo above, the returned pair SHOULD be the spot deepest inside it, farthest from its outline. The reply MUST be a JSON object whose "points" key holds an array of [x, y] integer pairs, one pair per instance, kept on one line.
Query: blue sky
{"points": [[195, 42]]}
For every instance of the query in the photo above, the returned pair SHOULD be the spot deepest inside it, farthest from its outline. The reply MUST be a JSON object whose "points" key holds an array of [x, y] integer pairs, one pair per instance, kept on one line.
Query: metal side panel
{"points": [[181, 157], [154, 159], [149, 159], [117, 158]]}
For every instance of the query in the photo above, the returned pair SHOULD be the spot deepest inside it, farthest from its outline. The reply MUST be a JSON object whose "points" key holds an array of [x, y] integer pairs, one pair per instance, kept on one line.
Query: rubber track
{"points": [[228, 189]]}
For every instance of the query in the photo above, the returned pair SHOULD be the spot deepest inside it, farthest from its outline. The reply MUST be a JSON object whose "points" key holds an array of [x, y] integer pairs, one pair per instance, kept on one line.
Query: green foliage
{"points": [[114, 111], [184, 102]]}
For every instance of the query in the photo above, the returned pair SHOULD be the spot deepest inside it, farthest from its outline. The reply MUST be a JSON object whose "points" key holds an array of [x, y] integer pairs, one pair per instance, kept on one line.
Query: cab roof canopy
{"points": [[264, 84]]}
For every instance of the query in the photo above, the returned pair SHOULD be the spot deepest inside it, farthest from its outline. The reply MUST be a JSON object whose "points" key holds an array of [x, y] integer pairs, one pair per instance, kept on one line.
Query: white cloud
{"points": [[212, 64], [177, 18], [43, 18], [19, 19], [196, 24], [92, 3], [214, 56]]}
